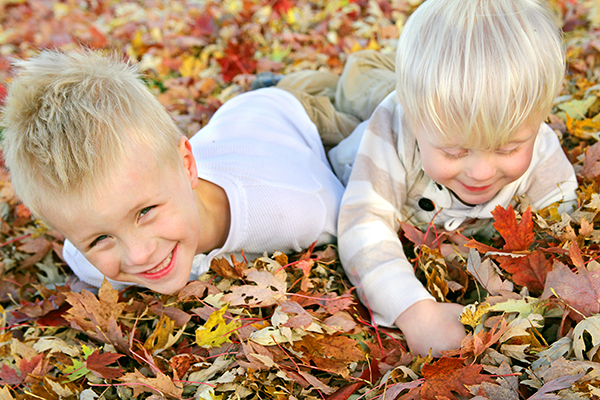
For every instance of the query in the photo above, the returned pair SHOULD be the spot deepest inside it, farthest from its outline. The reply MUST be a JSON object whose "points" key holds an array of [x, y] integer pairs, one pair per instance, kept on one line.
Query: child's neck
{"points": [[213, 206]]}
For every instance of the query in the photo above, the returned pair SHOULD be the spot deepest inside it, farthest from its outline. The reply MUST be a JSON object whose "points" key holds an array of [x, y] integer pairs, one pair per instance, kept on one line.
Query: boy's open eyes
{"points": [[100, 238]]}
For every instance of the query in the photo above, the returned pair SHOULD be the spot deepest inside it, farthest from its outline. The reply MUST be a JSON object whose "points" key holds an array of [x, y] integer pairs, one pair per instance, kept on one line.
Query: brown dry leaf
{"points": [[591, 165], [88, 311], [580, 291], [195, 56], [161, 384]]}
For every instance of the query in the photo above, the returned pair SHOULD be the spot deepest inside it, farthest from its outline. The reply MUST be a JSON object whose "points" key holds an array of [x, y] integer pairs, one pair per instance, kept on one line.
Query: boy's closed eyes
{"points": [[476, 175]]}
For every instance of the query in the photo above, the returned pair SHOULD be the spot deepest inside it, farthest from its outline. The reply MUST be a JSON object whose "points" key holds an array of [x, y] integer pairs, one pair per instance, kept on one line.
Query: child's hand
{"points": [[429, 324]]}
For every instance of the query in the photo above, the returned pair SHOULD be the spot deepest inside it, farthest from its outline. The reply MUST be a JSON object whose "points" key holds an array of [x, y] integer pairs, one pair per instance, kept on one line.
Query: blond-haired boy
{"points": [[93, 153], [462, 133]]}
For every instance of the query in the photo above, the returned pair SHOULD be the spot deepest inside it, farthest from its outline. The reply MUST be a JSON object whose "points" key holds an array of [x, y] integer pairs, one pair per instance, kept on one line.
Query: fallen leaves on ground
{"points": [[289, 326]]}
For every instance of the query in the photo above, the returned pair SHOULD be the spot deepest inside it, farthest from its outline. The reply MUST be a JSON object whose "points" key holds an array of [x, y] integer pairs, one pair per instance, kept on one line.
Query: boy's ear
{"points": [[189, 162]]}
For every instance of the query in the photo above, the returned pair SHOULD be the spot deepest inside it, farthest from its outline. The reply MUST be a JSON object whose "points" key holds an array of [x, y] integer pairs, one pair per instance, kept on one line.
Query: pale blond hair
{"points": [[68, 120], [479, 69]]}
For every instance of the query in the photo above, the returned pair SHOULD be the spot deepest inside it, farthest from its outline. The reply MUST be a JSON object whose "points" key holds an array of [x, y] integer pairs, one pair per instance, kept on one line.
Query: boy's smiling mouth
{"points": [[161, 269], [477, 188]]}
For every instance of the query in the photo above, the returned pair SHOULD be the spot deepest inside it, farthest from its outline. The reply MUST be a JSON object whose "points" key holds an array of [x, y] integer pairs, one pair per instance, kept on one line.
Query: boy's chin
{"points": [[473, 200]]}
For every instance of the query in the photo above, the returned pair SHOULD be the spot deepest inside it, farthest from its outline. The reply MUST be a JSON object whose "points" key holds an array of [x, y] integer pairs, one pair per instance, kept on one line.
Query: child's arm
{"points": [[370, 249]]}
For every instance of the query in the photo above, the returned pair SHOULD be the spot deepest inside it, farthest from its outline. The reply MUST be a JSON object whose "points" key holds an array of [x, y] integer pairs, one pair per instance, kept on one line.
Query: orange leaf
{"points": [[449, 375], [517, 236], [282, 6], [529, 271]]}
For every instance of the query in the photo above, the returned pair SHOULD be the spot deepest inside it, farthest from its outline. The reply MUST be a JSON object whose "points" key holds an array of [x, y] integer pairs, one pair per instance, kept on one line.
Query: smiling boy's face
{"points": [[147, 227], [476, 175]]}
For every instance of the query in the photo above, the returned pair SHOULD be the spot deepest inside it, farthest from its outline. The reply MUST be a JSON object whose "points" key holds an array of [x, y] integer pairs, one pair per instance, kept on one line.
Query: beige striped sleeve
{"points": [[369, 247]]}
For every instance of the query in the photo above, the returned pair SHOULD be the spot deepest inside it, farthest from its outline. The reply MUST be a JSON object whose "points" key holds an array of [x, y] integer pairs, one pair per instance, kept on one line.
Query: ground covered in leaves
{"points": [[289, 326]]}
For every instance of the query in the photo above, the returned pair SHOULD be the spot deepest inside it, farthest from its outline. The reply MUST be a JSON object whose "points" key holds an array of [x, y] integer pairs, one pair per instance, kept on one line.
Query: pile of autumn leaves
{"points": [[286, 328]]}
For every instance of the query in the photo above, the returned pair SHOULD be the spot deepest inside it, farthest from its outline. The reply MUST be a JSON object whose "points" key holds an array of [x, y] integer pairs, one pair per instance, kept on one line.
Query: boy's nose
{"points": [[481, 169], [137, 253]]}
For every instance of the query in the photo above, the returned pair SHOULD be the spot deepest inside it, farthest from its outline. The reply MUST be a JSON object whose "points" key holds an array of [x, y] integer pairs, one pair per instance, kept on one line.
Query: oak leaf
{"points": [[449, 375]]}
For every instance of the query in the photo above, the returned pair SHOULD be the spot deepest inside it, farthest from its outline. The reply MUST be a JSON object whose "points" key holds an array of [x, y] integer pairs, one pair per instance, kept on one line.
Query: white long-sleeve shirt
{"points": [[264, 151], [386, 183]]}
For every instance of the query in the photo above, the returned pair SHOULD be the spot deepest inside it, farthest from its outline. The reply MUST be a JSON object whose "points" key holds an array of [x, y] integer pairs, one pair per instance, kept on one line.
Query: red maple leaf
{"points": [[204, 26], [3, 93], [97, 363], [517, 236], [238, 59], [281, 6], [530, 271], [449, 375]]}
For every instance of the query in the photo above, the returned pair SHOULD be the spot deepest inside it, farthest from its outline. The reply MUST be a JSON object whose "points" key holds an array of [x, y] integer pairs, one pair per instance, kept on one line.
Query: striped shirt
{"points": [[385, 187]]}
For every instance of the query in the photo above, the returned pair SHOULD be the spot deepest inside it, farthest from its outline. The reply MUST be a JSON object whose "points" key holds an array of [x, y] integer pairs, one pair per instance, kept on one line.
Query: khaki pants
{"points": [[337, 104]]}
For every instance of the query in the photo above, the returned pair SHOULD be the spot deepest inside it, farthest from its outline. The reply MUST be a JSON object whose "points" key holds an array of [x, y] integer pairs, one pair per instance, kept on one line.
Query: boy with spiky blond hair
{"points": [[93, 153], [462, 134]]}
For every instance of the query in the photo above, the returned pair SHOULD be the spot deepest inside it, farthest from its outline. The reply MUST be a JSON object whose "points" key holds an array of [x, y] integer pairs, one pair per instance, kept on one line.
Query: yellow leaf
{"points": [[355, 47], [160, 336], [583, 128], [373, 45], [60, 10], [191, 66], [137, 43], [472, 314], [216, 330], [290, 18]]}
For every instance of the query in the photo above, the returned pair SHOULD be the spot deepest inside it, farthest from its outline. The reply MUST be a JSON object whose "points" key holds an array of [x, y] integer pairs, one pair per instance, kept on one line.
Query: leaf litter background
{"points": [[289, 326]]}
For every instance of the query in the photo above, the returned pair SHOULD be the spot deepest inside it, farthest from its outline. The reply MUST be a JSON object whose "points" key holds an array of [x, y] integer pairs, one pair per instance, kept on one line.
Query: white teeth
{"points": [[162, 265]]}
